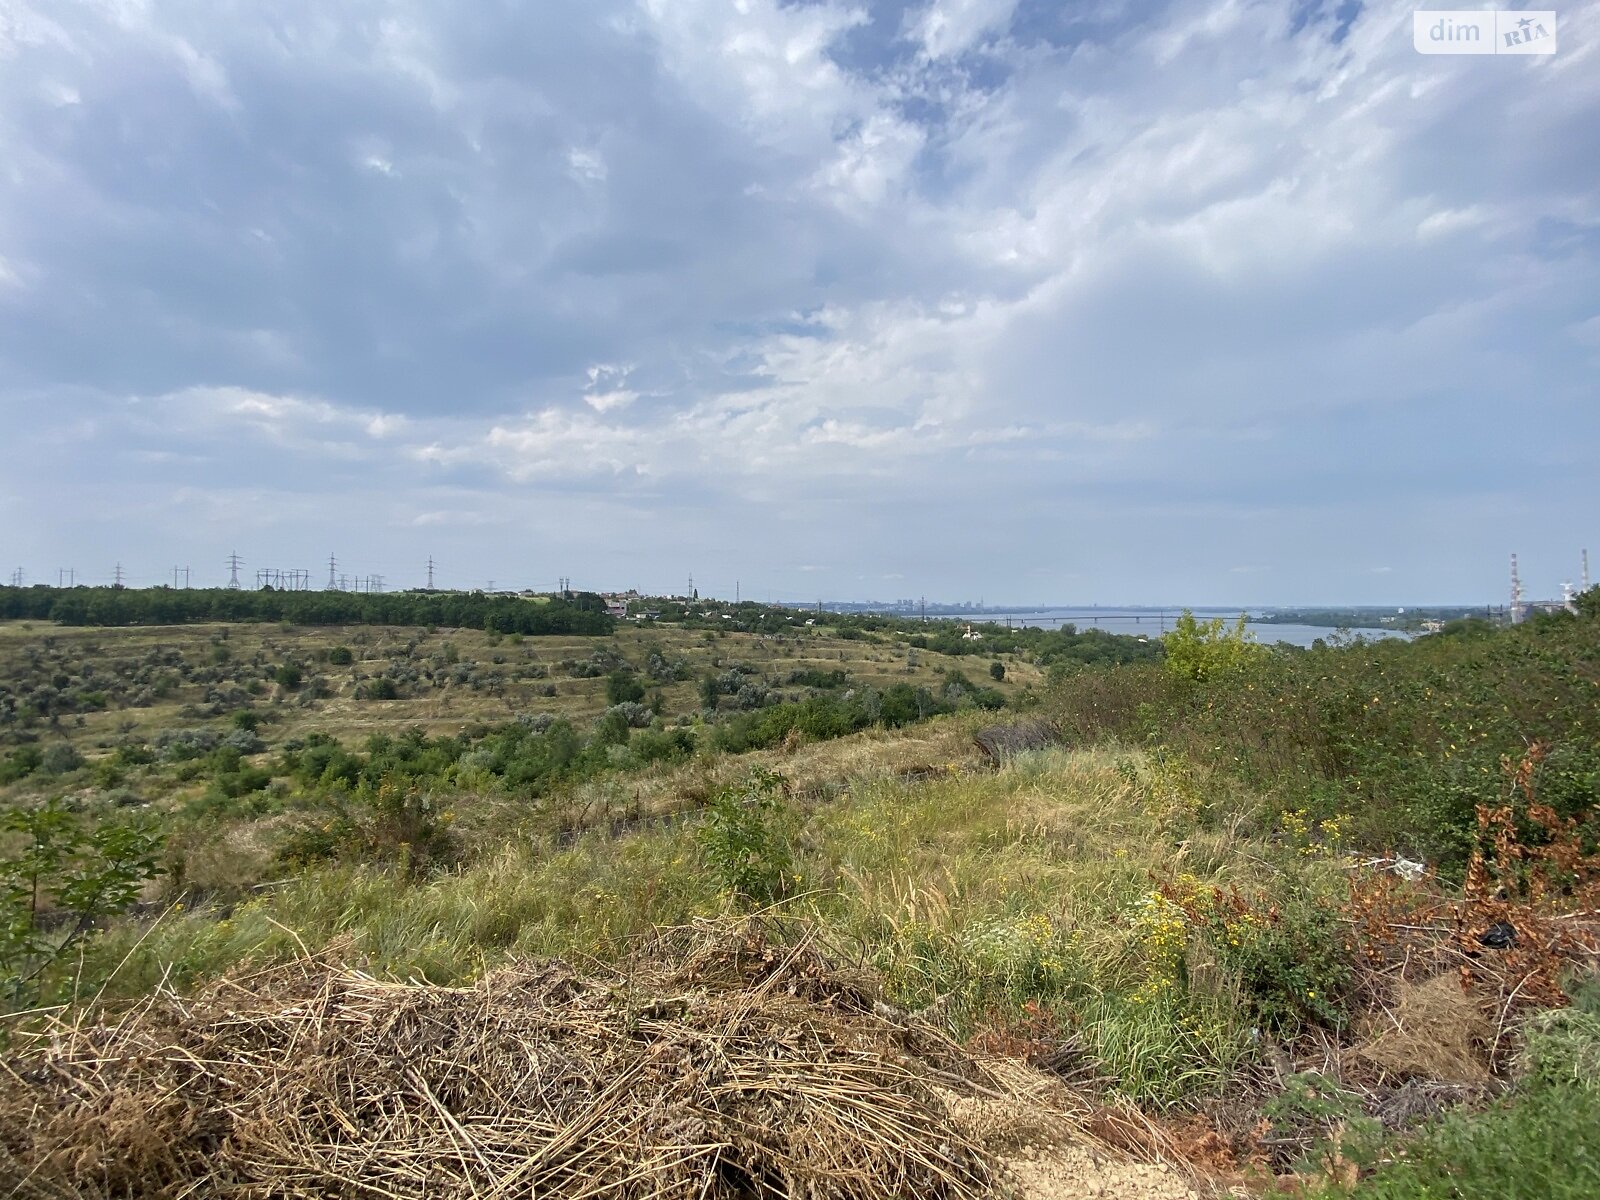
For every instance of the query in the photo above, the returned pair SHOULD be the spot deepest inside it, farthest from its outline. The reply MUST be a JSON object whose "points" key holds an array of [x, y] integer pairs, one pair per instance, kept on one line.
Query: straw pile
{"points": [[730, 1067]]}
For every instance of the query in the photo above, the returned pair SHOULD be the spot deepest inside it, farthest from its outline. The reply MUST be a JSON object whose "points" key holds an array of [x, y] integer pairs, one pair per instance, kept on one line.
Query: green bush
{"points": [[60, 758], [20, 763], [393, 821], [744, 841], [1404, 738], [1211, 650], [1287, 953], [59, 866], [623, 687]]}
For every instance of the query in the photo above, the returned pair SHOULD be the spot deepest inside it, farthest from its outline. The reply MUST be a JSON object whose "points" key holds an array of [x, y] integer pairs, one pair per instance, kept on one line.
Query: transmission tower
{"points": [[234, 563], [118, 576], [66, 577], [375, 583], [16, 577], [430, 572], [1516, 593], [333, 566], [1586, 570]]}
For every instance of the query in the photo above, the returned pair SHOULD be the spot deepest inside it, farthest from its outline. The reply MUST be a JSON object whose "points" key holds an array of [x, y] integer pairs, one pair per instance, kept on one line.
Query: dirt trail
{"points": [[1081, 1173]]}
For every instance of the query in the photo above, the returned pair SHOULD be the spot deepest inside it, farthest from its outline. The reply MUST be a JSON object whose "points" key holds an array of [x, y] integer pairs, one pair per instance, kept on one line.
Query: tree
{"points": [[58, 866], [1209, 650], [623, 687], [997, 670]]}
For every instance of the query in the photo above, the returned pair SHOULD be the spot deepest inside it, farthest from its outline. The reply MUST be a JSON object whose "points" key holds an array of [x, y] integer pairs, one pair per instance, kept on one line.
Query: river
{"points": [[1153, 622]]}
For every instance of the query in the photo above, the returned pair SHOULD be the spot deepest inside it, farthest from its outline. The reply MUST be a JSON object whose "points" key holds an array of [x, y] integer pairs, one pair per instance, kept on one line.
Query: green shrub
{"points": [[1289, 958], [59, 866], [1211, 650], [393, 822], [623, 687], [20, 763], [744, 840], [60, 758]]}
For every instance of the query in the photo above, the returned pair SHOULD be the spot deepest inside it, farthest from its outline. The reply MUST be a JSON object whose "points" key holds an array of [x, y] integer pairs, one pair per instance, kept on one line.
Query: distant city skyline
{"points": [[1227, 302], [707, 588]]}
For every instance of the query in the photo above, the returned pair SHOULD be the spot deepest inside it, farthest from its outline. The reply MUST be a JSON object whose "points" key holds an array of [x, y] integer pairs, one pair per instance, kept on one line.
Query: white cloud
{"points": [[586, 166], [303, 424], [951, 27], [1453, 220], [872, 164], [765, 65], [460, 518]]}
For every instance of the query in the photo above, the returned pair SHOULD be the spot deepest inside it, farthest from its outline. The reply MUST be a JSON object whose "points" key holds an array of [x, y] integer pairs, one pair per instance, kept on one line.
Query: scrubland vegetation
{"points": [[1326, 919]]}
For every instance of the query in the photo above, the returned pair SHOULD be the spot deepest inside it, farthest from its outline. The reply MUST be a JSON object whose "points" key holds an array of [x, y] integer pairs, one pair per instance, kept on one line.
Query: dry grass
{"points": [[1436, 1032], [719, 1063]]}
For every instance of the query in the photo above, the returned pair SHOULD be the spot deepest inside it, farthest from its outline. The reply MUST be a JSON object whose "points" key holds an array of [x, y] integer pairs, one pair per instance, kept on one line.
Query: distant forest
{"points": [[583, 613], [1371, 618], [1067, 645]]}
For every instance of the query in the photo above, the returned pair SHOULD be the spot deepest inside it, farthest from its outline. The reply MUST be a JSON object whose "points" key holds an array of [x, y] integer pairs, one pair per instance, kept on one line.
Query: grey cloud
{"points": [[657, 281]]}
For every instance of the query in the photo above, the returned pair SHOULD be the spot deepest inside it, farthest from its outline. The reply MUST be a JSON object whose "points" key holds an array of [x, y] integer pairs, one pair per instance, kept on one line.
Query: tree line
{"points": [[580, 613]]}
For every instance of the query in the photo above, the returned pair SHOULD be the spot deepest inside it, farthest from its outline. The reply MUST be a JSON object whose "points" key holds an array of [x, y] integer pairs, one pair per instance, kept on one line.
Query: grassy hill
{"points": [[1280, 916]]}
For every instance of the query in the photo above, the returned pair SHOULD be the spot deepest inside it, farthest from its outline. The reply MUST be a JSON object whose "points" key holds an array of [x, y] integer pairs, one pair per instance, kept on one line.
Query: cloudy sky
{"points": [[1213, 301]]}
